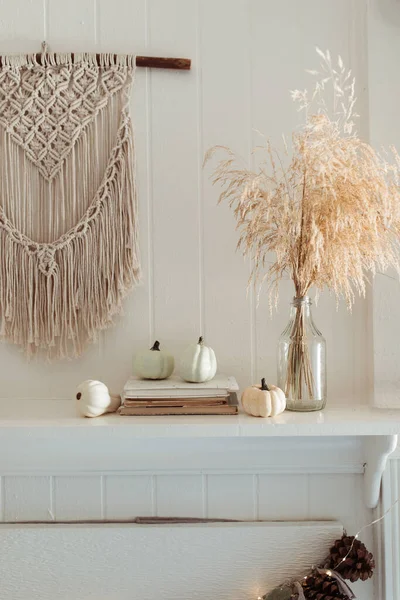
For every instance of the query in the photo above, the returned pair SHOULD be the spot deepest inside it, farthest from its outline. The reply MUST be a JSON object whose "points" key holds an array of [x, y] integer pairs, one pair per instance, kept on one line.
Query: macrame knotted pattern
{"points": [[68, 209]]}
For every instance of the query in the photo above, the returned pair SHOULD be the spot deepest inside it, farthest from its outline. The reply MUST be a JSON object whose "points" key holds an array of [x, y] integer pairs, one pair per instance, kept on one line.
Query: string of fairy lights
{"points": [[332, 572]]}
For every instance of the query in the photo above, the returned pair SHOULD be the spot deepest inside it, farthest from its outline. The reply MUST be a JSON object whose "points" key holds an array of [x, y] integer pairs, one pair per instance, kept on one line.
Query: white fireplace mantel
{"points": [[47, 437]]}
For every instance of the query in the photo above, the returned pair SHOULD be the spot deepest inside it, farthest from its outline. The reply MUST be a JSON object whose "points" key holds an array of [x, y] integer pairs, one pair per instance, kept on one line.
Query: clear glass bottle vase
{"points": [[302, 360]]}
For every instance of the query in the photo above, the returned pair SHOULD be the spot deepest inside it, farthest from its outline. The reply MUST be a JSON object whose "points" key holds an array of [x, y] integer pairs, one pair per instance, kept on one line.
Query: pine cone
{"points": [[359, 564], [322, 587]]}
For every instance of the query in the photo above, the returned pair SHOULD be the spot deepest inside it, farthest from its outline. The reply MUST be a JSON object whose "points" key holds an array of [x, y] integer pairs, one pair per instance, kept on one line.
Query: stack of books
{"points": [[173, 396]]}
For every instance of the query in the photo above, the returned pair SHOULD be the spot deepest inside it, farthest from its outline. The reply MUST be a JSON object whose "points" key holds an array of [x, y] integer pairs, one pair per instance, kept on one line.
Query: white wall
{"points": [[384, 92], [247, 55]]}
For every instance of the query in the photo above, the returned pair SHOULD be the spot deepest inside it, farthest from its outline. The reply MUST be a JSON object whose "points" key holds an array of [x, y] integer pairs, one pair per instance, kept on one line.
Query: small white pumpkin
{"points": [[93, 399], [263, 400], [198, 363], [153, 363]]}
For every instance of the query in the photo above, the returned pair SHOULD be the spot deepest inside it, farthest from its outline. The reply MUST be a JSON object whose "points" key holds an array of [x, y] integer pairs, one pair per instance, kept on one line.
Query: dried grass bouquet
{"points": [[328, 208]]}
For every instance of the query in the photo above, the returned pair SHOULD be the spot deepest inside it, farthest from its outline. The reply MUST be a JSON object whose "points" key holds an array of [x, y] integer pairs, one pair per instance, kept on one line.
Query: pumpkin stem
{"points": [[156, 346], [201, 341], [264, 386]]}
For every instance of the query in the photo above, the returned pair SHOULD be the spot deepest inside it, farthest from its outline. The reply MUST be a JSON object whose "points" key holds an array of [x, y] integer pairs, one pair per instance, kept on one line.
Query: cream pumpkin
{"points": [[198, 363], [153, 363], [263, 400], [93, 399]]}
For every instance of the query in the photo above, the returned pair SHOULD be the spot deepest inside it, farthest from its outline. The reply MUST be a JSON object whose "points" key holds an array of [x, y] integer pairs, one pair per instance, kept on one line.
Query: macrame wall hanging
{"points": [[68, 213]]}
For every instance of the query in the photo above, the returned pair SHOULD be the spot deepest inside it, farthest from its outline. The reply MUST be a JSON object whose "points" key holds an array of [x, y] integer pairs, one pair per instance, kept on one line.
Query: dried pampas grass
{"points": [[329, 211], [332, 215]]}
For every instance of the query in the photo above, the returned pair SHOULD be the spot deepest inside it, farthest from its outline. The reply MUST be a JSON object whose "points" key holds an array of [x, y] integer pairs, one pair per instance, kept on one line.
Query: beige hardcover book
{"points": [[178, 410], [175, 387], [151, 402], [152, 411]]}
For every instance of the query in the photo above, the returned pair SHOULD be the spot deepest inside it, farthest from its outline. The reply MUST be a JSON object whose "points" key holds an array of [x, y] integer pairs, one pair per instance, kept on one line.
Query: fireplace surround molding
{"points": [[47, 437]]}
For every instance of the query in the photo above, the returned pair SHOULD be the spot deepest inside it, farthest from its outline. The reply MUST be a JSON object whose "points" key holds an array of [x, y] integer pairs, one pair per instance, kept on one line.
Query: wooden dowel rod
{"points": [[159, 62], [152, 62]]}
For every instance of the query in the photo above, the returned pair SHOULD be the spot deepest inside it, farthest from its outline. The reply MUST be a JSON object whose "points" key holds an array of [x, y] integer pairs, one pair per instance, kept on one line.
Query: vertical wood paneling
{"points": [[225, 120], [283, 43], [283, 497], [127, 496], [384, 89], [394, 467], [230, 497], [179, 496], [27, 499], [78, 498], [174, 177], [134, 329], [342, 495], [193, 282], [131, 33], [2, 507], [22, 25], [389, 531], [72, 25]]}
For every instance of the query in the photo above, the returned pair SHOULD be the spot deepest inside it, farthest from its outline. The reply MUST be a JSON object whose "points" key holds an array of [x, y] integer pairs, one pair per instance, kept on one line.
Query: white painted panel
{"points": [[277, 68], [394, 467], [230, 497], [78, 498], [225, 119], [336, 494], [130, 37], [175, 165], [179, 496], [128, 496], [71, 25], [384, 89], [283, 496], [386, 302], [2, 487], [134, 330], [23, 25], [389, 531], [192, 278], [110, 562], [331, 495], [27, 499]]}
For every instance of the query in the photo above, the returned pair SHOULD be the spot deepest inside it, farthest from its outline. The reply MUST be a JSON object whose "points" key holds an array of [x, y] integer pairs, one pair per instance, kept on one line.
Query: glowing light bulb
{"points": [[329, 573]]}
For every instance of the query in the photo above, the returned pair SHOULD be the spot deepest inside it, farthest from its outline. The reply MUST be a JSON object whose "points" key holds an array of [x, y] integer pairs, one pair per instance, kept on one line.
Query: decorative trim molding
{"points": [[322, 469], [388, 539], [396, 453], [24, 452], [46, 438], [376, 449]]}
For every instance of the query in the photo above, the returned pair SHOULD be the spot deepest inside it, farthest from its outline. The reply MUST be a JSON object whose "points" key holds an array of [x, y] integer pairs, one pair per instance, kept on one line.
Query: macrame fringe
{"points": [[56, 296], [59, 301]]}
